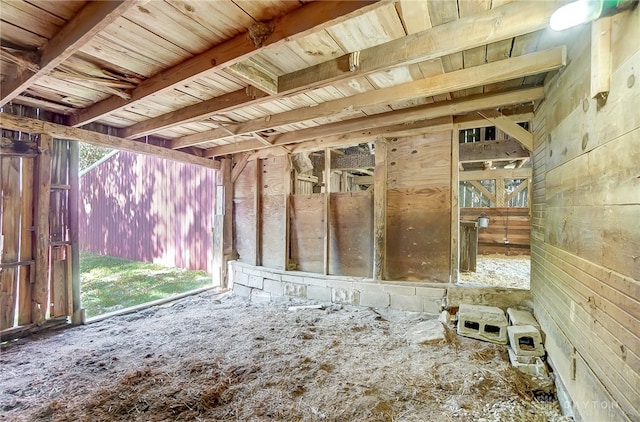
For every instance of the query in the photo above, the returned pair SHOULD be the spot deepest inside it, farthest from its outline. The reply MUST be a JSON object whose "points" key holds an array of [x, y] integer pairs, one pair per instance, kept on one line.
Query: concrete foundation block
{"points": [[272, 276], [432, 305], [274, 287], [520, 317], [297, 290], [340, 284], [241, 290], [349, 297], [399, 290], [434, 292], [407, 303], [322, 294], [256, 281], [486, 323], [252, 271], [374, 299], [292, 279], [241, 278], [525, 340], [260, 296], [311, 281]]}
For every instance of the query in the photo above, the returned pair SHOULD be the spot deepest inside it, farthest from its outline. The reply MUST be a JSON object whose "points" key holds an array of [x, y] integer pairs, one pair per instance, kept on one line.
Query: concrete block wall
{"points": [[263, 284]]}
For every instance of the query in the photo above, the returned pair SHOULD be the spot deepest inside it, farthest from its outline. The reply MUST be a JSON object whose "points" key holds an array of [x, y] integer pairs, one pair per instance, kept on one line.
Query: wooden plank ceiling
{"points": [[225, 76]]}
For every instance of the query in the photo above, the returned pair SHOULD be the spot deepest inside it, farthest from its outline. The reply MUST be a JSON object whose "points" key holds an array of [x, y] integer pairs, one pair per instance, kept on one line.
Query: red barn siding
{"points": [[148, 209]]}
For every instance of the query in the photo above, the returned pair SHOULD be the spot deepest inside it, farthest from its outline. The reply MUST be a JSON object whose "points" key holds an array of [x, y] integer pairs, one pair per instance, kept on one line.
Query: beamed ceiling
{"points": [[211, 78]]}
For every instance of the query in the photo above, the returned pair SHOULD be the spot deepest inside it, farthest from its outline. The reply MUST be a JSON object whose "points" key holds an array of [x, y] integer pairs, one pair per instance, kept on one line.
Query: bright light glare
{"points": [[575, 13]]}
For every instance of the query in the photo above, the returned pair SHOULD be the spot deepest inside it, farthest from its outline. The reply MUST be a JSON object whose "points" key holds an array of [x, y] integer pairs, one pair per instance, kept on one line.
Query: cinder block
{"points": [[431, 292], [534, 367], [256, 281], [525, 340], [292, 279], [312, 281], [241, 278], [486, 323], [374, 299], [520, 317], [292, 289], [398, 290], [432, 305], [241, 290], [252, 271], [407, 303], [272, 276], [340, 284], [260, 296], [274, 287], [319, 293], [349, 297]]}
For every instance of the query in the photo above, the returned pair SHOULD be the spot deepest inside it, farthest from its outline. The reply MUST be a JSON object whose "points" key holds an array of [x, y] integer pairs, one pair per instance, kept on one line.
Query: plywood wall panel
{"points": [[351, 234], [307, 232]]}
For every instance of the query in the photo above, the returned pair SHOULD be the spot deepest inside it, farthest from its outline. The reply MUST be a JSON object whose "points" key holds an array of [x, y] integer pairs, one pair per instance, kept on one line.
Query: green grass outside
{"points": [[109, 283]]}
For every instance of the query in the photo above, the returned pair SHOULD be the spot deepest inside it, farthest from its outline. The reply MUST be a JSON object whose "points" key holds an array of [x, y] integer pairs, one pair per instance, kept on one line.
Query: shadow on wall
{"points": [[148, 209]]}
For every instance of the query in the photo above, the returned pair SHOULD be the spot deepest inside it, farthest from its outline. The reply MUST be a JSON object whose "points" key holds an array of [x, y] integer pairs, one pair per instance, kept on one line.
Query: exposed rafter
{"points": [[510, 127], [310, 17], [502, 70], [494, 25], [396, 123], [23, 124], [89, 21], [497, 24]]}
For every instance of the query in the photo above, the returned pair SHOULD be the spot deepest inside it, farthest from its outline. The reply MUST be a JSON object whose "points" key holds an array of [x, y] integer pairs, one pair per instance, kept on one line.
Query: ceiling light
{"points": [[576, 13]]}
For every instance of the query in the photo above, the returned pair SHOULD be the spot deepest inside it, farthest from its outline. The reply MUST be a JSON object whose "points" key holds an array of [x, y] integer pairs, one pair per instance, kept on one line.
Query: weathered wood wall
{"points": [[509, 230], [419, 208], [585, 228], [148, 209], [418, 235]]}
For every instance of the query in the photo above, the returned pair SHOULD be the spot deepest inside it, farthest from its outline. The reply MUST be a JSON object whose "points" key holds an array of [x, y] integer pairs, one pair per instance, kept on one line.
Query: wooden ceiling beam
{"points": [[490, 26], [509, 149], [406, 122], [23, 124], [88, 22], [310, 17], [480, 29], [509, 127], [523, 173], [195, 112], [516, 67]]}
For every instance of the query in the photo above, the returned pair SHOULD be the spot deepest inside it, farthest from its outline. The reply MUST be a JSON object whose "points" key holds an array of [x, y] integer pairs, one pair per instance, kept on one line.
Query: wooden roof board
{"points": [[56, 96], [265, 10], [20, 37], [31, 18], [369, 29], [169, 23], [65, 9], [223, 18]]}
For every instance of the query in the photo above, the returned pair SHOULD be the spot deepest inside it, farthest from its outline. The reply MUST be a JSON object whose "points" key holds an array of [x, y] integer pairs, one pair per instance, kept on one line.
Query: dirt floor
{"points": [[220, 358], [500, 271]]}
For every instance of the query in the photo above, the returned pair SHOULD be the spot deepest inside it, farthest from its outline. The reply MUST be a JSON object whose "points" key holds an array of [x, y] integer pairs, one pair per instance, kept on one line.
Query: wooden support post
{"points": [[455, 206], [257, 181], [27, 272], [380, 210], [222, 223], [40, 294], [327, 207], [74, 228], [500, 194], [287, 210]]}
